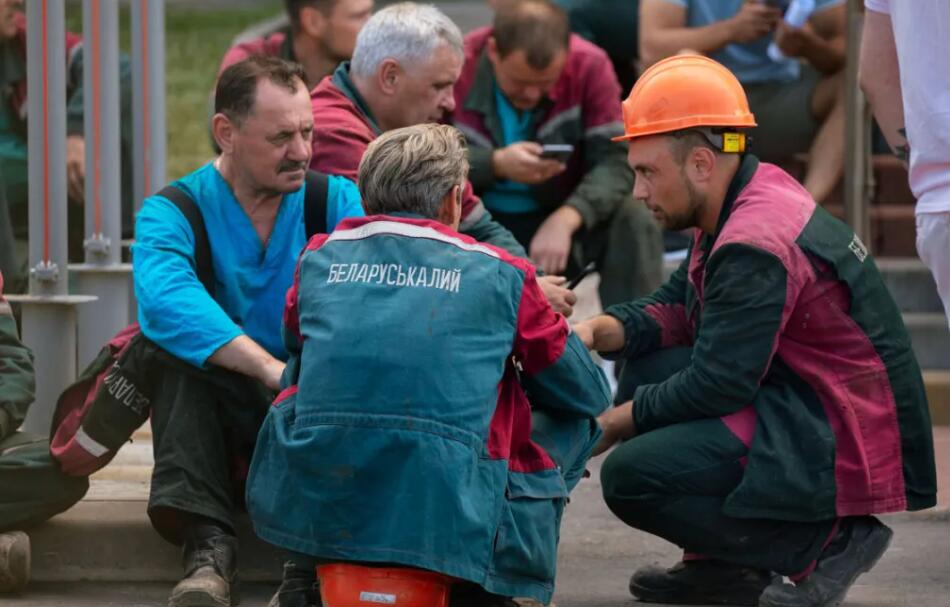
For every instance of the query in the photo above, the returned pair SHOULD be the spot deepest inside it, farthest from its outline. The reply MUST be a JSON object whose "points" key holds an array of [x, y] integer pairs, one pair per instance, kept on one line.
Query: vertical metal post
{"points": [[148, 97], [858, 174], [49, 314], [102, 274]]}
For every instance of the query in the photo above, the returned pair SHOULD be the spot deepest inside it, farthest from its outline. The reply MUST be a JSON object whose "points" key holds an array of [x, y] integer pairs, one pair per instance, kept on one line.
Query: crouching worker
{"points": [[776, 401], [32, 488], [403, 436]]}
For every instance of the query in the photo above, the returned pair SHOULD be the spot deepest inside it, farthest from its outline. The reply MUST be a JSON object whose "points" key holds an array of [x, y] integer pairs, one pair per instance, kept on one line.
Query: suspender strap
{"points": [[203, 266]]}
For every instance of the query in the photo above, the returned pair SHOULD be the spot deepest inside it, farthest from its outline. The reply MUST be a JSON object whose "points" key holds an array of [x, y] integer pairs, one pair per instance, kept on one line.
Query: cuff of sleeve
{"points": [[480, 171], [588, 215], [622, 352], [641, 395], [75, 126]]}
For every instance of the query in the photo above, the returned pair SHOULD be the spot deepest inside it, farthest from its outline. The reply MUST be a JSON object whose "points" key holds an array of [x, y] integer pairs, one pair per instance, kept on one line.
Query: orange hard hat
{"points": [[352, 585], [683, 92]]}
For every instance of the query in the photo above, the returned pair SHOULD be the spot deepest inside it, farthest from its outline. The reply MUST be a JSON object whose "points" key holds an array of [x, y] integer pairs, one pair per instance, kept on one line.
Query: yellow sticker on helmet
{"points": [[733, 142]]}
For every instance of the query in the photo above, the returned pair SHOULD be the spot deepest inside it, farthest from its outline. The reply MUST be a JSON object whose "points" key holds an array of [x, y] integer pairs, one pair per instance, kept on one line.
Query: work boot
{"points": [[699, 582], [855, 549], [14, 561], [473, 595], [299, 587], [210, 563]]}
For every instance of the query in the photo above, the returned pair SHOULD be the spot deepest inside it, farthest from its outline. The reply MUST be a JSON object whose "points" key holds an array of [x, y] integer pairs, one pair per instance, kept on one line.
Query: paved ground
{"points": [[597, 556]]}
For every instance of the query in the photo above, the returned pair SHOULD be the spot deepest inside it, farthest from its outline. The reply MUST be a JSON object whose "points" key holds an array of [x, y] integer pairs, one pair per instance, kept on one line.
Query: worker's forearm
{"points": [[608, 333], [243, 355], [826, 56], [666, 42], [880, 79]]}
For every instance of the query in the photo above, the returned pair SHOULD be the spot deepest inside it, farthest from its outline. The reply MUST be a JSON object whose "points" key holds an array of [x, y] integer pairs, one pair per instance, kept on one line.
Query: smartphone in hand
{"points": [[557, 151], [588, 269]]}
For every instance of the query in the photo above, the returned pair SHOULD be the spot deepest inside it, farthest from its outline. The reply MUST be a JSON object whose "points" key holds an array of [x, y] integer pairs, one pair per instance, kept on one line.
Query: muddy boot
{"points": [[701, 582], [210, 563], [299, 587], [855, 549], [14, 561]]}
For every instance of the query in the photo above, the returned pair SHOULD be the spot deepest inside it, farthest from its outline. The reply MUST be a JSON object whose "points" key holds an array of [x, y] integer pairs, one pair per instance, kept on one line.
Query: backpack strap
{"points": [[188, 208], [315, 203]]}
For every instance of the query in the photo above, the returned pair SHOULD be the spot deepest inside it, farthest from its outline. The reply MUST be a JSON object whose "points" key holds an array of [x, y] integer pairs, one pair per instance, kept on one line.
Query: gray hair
{"points": [[406, 32], [412, 169]]}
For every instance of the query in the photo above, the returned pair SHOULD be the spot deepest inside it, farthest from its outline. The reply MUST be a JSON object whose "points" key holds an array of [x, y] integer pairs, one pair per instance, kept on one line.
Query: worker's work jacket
{"points": [[799, 347], [17, 382], [581, 109], [403, 435]]}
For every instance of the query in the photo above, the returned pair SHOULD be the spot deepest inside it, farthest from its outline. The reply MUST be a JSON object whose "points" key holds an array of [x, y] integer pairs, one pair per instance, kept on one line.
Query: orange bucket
{"points": [[348, 585]]}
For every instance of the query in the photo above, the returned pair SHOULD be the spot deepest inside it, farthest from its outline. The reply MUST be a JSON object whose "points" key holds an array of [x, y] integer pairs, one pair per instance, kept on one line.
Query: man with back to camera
{"points": [[773, 403], [407, 58], [438, 463], [226, 353]]}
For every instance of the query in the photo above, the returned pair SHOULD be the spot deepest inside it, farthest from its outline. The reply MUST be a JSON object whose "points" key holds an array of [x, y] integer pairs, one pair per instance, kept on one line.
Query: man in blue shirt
{"points": [[797, 98], [209, 399]]}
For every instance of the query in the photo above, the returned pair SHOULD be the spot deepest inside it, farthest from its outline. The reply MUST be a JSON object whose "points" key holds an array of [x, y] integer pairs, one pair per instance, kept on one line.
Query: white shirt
{"points": [[922, 36]]}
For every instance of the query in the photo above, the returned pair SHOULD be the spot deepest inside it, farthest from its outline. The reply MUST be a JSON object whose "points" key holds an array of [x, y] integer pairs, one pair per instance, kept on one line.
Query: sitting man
{"points": [[34, 489], [439, 462], [322, 34], [798, 98], [526, 82], [406, 60], [14, 159], [207, 409], [773, 399]]}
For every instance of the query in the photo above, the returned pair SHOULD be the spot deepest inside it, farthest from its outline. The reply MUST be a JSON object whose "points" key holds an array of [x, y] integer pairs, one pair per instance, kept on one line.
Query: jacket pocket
{"points": [[525, 548]]}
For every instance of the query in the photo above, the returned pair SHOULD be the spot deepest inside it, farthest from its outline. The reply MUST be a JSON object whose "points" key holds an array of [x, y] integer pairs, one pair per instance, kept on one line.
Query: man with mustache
{"points": [[771, 400], [210, 398]]}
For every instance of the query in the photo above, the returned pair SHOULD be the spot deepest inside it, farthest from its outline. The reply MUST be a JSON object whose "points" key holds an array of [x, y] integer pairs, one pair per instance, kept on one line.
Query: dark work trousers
{"points": [[32, 487], [628, 249], [204, 427], [673, 481]]}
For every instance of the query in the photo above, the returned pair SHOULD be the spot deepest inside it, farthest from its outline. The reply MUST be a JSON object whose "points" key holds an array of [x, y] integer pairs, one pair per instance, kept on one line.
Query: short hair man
{"points": [[798, 99], [322, 34], [34, 487], [14, 156], [417, 467], [898, 43], [776, 400], [527, 82], [407, 58], [226, 347]]}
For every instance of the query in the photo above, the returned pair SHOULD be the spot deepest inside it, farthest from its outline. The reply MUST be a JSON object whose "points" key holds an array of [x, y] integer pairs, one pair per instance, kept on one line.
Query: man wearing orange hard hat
{"points": [[770, 402]]}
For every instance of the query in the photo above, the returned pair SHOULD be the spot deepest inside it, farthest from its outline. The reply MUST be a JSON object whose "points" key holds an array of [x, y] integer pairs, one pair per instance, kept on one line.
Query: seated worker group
{"points": [[213, 392], [797, 94], [407, 59], [771, 399], [526, 82], [440, 462]]}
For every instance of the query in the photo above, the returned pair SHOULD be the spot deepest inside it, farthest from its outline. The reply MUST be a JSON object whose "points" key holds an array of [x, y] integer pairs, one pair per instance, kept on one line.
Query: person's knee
{"points": [[621, 476]]}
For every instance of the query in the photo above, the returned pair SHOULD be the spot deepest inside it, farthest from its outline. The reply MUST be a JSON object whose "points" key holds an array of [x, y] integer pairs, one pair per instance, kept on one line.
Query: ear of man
{"points": [[223, 129], [450, 211]]}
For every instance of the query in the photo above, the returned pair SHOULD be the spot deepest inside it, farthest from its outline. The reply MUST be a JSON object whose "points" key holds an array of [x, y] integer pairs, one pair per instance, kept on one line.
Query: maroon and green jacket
{"points": [[581, 109], [800, 349]]}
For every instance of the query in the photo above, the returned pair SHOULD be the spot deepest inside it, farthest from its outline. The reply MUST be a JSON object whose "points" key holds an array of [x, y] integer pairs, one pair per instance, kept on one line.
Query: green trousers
{"points": [[32, 487], [673, 481]]}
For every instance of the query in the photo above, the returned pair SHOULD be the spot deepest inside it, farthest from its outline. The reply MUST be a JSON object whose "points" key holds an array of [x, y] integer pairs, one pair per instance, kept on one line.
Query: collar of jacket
{"points": [[748, 165], [341, 79], [481, 98]]}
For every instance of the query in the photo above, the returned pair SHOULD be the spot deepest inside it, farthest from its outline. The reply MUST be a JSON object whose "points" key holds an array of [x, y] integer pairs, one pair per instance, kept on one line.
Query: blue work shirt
{"points": [[251, 279], [510, 196], [750, 62]]}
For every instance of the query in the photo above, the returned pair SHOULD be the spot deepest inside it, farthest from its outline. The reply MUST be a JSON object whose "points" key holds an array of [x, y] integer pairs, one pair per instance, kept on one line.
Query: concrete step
{"points": [[911, 284], [931, 338], [893, 229]]}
